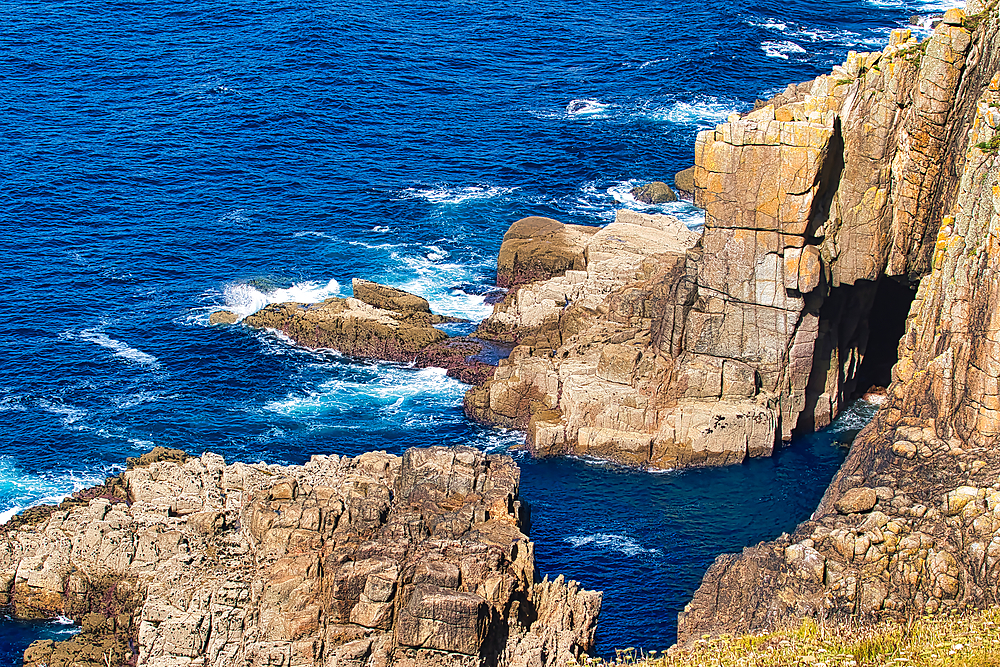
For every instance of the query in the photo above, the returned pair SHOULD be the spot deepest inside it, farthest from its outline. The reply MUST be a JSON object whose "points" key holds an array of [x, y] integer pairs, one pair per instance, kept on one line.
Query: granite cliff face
{"points": [[911, 523], [377, 560], [823, 209]]}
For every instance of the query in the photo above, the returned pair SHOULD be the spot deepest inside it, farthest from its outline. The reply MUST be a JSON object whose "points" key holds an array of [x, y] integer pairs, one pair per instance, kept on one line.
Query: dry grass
{"points": [[946, 640]]}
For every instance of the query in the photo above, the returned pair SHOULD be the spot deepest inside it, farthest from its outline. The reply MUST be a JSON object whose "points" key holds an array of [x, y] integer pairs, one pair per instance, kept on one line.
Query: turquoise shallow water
{"points": [[165, 161]]}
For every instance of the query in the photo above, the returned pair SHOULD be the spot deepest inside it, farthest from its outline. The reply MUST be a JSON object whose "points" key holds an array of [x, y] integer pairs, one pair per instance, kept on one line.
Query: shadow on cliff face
{"points": [[886, 326], [859, 332]]}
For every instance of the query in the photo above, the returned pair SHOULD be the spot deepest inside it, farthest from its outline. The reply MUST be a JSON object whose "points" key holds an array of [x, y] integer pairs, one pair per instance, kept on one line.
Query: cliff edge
{"points": [[823, 210], [911, 523]]}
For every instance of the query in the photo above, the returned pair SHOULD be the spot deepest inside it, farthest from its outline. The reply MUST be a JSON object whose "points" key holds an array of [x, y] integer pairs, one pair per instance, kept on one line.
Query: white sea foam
{"points": [[436, 253], [700, 112], [836, 39], [445, 195], [498, 440], [131, 400], [588, 109], [381, 229], [12, 403], [601, 202], [69, 415], [20, 489], [384, 390], [920, 7], [436, 281], [692, 216], [856, 416], [120, 349], [312, 233], [245, 299], [781, 49], [614, 542]]}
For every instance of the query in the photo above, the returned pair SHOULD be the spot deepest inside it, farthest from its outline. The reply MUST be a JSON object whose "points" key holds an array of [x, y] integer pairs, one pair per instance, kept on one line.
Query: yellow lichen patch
{"points": [[943, 238]]}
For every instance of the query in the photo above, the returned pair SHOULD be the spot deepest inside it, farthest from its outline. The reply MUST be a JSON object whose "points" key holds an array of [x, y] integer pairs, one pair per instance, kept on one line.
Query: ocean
{"points": [[163, 161]]}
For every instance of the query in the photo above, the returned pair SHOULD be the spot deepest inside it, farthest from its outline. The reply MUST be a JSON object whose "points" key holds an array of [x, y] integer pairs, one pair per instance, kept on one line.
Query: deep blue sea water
{"points": [[164, 160]]}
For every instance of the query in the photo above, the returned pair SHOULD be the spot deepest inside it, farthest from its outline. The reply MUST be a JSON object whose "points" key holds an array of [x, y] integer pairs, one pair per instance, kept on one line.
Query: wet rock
{"points": [[354, 327], [656, 192], [223, 317]]}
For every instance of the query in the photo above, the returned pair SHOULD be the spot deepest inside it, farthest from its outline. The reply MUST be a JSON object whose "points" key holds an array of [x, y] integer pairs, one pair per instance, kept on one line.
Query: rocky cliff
{"points": [[377, 560], [911, 523], [823, 210]]}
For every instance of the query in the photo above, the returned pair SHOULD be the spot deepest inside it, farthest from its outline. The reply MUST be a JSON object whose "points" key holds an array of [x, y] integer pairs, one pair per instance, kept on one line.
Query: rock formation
{"points": [[538, 248], [911, 523], [822, 210], [656, 192], [375, 560], [379, 322]]}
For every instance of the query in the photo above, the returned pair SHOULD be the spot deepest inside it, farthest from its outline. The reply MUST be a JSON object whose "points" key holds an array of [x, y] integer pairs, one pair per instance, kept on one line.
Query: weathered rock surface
{"points": [[821, 207], [911, 523], [380, 322], [223, 317], [537, 248], [684, 180], [376, 560], [656, 192]]}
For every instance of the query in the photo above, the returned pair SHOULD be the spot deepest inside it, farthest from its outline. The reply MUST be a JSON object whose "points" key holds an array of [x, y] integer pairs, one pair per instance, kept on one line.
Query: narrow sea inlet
{"points": [[163, 162]]}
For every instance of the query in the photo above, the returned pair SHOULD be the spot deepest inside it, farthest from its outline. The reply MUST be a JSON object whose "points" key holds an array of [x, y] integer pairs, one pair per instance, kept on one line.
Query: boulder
{"points": [[855, 501], [656, 192], [537, 248], [684, 180], [223, 317]]}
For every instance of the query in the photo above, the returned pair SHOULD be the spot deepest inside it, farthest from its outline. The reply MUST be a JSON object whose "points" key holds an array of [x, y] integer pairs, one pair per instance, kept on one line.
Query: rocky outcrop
{"points": [[537, 248], [911, 523], [821, 210], [379, 322], [656, 192], [375, 560]]}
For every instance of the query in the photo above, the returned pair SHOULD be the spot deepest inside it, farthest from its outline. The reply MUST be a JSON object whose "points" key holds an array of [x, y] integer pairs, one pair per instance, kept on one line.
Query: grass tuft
{"points": [[946, 640]]}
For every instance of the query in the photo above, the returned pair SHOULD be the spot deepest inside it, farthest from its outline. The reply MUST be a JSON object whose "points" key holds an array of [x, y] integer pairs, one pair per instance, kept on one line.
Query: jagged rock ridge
{"points": [[376, 560]]}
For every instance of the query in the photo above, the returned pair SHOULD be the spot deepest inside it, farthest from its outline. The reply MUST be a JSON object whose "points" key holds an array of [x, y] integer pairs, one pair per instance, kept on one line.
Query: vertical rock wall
{"points": [[716, 351], [911, 523]]}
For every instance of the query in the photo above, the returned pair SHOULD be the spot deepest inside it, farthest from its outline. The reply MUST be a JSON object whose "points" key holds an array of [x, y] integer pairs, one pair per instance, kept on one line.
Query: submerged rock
{"points": [[379, 560]]}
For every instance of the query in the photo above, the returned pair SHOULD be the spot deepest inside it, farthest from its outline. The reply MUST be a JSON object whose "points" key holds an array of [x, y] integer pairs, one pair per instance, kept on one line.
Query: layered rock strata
{"points": [[911, 523], [822, 210], [376, 560]]}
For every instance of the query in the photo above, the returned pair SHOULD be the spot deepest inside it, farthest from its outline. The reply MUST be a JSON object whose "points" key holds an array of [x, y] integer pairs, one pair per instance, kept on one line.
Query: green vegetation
{"points": [[971, 639], [992, 146]]}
